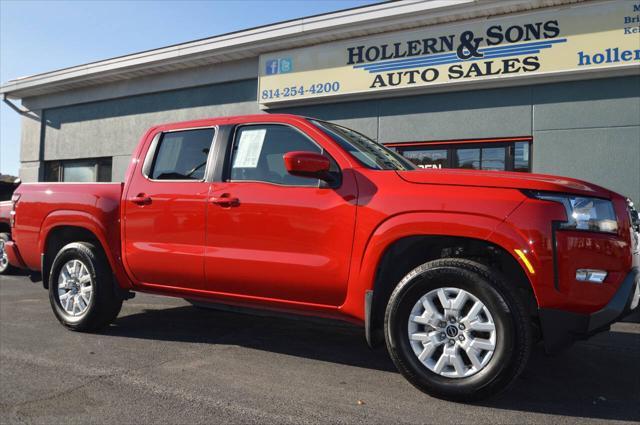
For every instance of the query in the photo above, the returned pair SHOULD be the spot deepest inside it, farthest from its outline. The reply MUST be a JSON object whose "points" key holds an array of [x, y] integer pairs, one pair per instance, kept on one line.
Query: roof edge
{"points": [[254, 41]]}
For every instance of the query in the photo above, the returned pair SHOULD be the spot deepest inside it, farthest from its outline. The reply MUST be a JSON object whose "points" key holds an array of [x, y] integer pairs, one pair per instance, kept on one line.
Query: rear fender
{"points": [[110, 241]]}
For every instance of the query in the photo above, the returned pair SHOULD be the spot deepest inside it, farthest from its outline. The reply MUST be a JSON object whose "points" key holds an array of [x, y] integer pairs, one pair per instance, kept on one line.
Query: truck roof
{"points": [[234, 119]]}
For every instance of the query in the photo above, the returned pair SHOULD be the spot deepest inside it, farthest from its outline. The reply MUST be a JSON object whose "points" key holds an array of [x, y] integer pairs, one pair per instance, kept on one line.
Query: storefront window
{"points": [[468, 158], [495, 155], [89, 170], [431, 158], [521, 157], [81, 171], [494, 159]]}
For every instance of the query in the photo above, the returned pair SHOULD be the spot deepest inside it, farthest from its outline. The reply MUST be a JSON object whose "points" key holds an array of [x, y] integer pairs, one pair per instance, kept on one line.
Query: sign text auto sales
{"points": [[551, 42], [469, 55]]}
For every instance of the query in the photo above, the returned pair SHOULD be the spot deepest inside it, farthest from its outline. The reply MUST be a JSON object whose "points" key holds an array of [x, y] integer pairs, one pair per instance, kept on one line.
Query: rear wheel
{"points": [[456, 330], [81, 288], [5, 267]]}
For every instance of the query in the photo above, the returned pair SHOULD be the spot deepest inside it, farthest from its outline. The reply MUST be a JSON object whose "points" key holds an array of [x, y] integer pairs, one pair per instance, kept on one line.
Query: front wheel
{"points": [[456, 330], [81, 288]]}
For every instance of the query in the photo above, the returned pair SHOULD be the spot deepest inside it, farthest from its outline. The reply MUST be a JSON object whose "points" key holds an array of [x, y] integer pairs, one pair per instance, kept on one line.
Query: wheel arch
{"points": [[392, 253], [63, 227]]}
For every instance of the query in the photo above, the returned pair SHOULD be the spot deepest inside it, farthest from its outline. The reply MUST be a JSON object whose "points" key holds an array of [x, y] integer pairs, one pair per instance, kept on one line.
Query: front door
{"points": [[165, 211], [272, 235]]}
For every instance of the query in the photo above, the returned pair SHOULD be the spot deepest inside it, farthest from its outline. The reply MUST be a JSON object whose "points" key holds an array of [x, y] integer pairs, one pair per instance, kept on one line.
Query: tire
{"points": [[458, 377], [5, 267], [95, 308]]}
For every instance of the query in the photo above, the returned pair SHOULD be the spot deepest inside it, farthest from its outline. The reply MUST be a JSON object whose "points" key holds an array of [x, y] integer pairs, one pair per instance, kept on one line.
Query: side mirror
{"points": [[308, 164]]}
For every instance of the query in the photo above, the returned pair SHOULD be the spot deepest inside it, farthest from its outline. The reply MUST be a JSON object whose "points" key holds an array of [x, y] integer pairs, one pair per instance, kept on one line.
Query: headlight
{"points": [[593, 214]]}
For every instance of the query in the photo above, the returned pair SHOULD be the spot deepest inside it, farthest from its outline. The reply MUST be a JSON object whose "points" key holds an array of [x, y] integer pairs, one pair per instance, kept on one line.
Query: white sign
{"points": [[588, 36], [249, 148]]}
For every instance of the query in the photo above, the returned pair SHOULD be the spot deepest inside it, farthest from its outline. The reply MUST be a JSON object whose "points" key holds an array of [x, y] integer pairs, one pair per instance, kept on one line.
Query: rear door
{"points": [[165, 210]]}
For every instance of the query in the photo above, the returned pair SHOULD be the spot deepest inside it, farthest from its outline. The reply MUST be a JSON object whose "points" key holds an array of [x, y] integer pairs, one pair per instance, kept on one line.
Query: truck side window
{"points": [[182, 155], [258, 152]]}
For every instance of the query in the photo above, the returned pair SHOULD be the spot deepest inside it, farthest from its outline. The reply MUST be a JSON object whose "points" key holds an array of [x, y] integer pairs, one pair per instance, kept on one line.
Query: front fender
{"points": [[463, 225]]}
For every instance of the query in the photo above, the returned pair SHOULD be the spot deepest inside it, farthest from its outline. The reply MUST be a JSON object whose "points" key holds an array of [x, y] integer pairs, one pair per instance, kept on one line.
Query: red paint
{"points": [[164, 237], [283, 243], [13, 255], [315, 250], [306, 164]]}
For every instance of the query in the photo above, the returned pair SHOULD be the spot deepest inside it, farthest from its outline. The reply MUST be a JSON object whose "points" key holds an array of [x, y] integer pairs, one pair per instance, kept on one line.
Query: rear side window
{"points": [[182, 155]]}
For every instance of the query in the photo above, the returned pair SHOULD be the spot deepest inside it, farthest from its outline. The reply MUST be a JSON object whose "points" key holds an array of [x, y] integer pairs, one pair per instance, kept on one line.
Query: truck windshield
{"points": [[371, 154]]}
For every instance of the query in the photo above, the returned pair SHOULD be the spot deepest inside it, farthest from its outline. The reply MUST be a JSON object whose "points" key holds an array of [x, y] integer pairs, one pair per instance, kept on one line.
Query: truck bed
{"points": [[44, 205]]}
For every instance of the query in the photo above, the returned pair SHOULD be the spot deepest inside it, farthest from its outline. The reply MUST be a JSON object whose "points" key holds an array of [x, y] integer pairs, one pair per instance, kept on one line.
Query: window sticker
{"points": [[249, 148]]}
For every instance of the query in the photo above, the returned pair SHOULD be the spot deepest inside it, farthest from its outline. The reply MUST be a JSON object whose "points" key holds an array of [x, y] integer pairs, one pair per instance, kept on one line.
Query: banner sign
{"points": [[551, 41]]}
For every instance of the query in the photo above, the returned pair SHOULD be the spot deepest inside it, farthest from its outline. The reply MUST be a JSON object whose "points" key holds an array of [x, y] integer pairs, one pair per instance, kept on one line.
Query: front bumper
{"points": [[561, 328]]}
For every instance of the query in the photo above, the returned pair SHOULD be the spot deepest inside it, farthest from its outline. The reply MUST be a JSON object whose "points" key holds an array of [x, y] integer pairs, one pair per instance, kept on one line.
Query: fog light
{"points": [[589, 275]]}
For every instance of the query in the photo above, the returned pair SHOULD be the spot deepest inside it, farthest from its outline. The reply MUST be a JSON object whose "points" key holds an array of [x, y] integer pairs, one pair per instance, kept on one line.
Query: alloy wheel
{"points": [[452, 332], [75, 288]]}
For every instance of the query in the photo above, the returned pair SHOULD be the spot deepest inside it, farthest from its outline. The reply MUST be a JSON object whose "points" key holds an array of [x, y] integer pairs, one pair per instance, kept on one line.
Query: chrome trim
{"points": [[274, 184], [173, 130], [591, 275]]}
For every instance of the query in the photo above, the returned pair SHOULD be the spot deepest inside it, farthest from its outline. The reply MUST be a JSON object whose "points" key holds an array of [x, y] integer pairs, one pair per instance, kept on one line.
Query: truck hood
{"points": [[500, 179]]}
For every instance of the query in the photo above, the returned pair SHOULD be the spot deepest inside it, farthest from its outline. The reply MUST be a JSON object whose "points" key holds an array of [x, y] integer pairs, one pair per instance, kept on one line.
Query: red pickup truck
{"points": [[458, 271]]}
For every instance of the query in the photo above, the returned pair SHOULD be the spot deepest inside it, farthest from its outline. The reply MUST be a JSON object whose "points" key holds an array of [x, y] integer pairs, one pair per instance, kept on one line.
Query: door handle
{"points": [[141, 199], [225, 200]]}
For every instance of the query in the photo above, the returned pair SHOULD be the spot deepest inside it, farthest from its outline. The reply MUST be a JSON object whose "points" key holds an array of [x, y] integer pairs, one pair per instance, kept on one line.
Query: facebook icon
{"points": [[272, 66]]}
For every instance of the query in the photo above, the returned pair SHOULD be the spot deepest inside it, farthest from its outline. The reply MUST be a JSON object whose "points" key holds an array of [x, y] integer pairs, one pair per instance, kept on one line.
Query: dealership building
{"points": [[545, 86]]}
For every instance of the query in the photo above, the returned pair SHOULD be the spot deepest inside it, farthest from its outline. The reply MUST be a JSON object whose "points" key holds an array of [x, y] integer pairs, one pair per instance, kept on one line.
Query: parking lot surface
{"points": [[164, 361]]}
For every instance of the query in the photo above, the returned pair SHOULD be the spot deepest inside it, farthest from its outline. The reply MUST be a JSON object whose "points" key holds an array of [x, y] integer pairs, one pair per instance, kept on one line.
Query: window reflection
{"points": [[495, 156], [432, 158], [87, 170], [521, 156], [493, 159], [468, 158]]}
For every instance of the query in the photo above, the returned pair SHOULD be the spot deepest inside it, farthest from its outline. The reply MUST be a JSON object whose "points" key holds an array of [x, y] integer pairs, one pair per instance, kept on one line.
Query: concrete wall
{"points": [[30, 146], [444, 116], [114, 127], [588, 129], [244, 69]]}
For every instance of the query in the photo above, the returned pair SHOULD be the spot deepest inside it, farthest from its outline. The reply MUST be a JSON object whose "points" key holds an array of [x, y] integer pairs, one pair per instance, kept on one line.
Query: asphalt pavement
{"points": [[164, 361]]}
